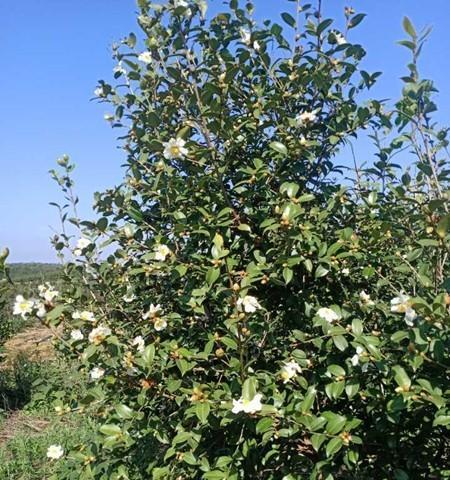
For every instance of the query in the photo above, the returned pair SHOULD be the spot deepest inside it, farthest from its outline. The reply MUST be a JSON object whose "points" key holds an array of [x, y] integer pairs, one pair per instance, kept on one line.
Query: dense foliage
{"points": [[241, 310]]}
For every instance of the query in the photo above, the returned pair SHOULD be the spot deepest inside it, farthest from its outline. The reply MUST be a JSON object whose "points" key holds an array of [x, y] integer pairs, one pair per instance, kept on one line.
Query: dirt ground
{"points": [[16, 422], [34, 343]]}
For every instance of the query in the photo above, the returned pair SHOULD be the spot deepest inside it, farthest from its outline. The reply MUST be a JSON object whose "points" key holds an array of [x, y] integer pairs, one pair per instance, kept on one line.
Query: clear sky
{"points": [[54, 51]]}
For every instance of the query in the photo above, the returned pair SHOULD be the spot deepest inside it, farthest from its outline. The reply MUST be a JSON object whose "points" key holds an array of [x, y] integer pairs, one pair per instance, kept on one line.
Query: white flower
{"points": [[153, 311], [108, 117], [47, 292], [180, 3], [256, 45], [133, 371], [303, 140], [306, 118], [129, 297], [85, 315], [119, 69], [403, 304], [365, 299], [246, 36], [356, 357], [410, 316], [41, 310], [161, 252], [160, 324], [22, 307], [247, 406], [139, 343], [76, 335], [340, 39], [175, 148], [82, 243], [327, 314], [98, 334], [290, 370], [55, 452], [98, 92], [145, 57], [345, 272], [96, 373], [248, 303]]}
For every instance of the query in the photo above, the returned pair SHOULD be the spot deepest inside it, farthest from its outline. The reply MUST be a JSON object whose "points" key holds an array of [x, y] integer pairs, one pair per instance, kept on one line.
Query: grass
{"points": [[23, 457], [29, 423], [32, 381]]}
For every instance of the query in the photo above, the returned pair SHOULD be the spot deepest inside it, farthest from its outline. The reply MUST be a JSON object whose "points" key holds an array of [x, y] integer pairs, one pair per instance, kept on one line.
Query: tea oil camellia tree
{"points": [[239, 309]]}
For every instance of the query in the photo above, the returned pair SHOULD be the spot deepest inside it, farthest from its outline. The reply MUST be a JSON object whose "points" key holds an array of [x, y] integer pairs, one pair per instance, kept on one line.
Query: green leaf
{"points": [[202, 410], [308, 401], [333, 446], [229, 342], [409, 27], [102, 224], [356, 20], [443, 420], [334, 390], [351, 389], [110, 429], [357, 327], [249, 388], [397, 337], [401, 377], [212, 275], [149, 354], [291, 189], [55, 313], [307, 197], [243, 227], [288, 18], [214, 475], [317, 440], [340, 342], [287, 275], [336, 370], [279, 147], [443, 226], [428, 242], [320, 272], [323, 26], [218, 241], [335, 423], [123, 411], [264, 425]]}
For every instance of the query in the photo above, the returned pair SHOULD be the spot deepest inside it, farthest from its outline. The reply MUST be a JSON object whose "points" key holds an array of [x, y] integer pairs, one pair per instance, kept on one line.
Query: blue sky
{"points": [[54, 51]]}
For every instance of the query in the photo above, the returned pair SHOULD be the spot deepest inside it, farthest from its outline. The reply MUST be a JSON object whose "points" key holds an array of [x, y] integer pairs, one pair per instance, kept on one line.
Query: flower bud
{"points": [[63, 161], [4, 254]]}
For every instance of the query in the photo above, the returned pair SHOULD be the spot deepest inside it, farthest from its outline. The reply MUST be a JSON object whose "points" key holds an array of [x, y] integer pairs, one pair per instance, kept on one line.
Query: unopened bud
{"points": [[4, 254], [63, 161]]}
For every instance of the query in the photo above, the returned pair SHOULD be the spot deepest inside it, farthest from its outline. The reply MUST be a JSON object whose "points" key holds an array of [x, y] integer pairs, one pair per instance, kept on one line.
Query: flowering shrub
{"points": [[240, 310]]}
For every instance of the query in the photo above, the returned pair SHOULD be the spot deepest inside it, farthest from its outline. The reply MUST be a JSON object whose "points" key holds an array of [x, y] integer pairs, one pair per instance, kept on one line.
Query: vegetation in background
{"points": [[34, 272], [238, 311]]}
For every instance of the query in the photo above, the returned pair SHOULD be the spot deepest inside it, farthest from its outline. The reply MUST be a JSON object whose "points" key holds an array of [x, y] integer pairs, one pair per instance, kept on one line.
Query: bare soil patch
{"points": [[33, 343], [18, 422]]}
